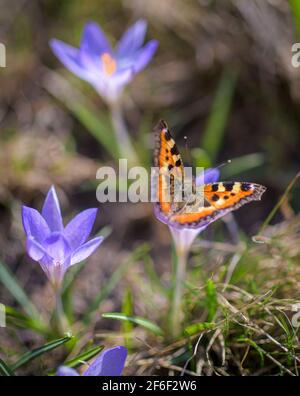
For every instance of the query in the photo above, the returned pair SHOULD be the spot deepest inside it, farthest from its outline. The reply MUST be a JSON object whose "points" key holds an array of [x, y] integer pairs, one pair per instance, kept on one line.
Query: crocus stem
{"points": [[176, 308], [61, 320], [125, 147]]}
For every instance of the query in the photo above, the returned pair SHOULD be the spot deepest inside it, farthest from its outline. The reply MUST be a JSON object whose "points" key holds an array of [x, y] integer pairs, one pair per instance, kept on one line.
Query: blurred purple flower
{"points": [[108, 70], [109, 363], [54, 246]]}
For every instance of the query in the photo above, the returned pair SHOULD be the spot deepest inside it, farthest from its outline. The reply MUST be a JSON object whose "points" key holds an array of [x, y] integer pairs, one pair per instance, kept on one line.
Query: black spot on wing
{"points": [[245, 186], [215, 187], [178, 163], [215, 197], [168, 136], [228, 186], [174, 150]]}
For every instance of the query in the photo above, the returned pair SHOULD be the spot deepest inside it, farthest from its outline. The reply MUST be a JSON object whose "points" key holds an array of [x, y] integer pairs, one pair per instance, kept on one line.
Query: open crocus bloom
{"points": [[107, 70], [184, 237], [54, 246], [109, 363]]}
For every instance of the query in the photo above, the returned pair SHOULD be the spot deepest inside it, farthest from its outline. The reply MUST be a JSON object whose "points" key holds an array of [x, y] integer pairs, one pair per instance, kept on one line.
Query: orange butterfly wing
{"points": [[219, 199], [168, 160]]}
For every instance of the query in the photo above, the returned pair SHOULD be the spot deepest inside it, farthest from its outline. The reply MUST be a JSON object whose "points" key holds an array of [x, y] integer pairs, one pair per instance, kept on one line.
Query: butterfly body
{"points": [[179, 202]]}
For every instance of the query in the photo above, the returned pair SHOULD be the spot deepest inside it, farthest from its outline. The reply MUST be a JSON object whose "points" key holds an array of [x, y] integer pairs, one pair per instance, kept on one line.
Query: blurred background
{"points": [[222, 76]]}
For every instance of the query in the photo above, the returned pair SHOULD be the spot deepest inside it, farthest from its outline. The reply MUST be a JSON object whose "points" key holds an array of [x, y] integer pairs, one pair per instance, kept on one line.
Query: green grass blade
{"points": [[8, 280], [254, 345], [154, 279], [242, 164], [196, 328], [211, 300], [67, 298], [135, 256], [295, 8], [80, 359], [217, 120], [18, 319], [127, 309], [200, 158], [27, 357], [84, 357], [277, 206], [147, 324], [97, 125], [5, 370], [95, 121]]}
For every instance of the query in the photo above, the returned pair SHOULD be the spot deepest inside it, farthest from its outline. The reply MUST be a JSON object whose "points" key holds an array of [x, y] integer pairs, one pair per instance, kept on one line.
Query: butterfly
{"points": [[192, 210]]}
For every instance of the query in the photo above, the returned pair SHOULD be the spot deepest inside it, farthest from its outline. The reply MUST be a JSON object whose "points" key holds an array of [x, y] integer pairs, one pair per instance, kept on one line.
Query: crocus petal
{"points": [[120, 79], [70, 57], [211, 175], [58, 258], [110, 363], [94, 40], [64, 371], [132, 39], [159, 214], [92, 64], [54, 270], [144, 56], [184, 237], [34, 249], [51, 211], [112, 87], [57, 247], [34, 224], [84, 251], [78, 229]]}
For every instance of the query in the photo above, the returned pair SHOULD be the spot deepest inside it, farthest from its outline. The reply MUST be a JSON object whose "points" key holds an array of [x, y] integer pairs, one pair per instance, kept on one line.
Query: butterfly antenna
{"points": [[223, 164], [187, 151]]}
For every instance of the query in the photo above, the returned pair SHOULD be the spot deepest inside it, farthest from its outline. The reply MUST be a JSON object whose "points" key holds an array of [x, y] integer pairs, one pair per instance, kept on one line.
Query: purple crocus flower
{"points": [[54, 246], [109, 363], [108, 70]]}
